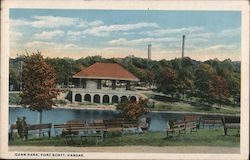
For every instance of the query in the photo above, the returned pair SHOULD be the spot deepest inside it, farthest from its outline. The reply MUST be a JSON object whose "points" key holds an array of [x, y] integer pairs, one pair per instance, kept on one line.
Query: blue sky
{"points": [[119, 33]]}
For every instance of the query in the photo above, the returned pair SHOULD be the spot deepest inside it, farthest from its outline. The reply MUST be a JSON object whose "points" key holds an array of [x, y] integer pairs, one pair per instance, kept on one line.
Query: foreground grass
{"points": [[205, 137], [178, 106]]}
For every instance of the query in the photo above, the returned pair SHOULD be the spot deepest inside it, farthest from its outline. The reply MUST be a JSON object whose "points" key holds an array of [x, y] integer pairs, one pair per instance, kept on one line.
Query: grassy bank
{"points": [[179, 106], [205, 137]]}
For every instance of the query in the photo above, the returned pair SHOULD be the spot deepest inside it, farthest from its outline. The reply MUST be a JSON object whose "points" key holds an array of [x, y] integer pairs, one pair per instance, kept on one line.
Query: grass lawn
{"points": [[205, 137], [179, 106]]}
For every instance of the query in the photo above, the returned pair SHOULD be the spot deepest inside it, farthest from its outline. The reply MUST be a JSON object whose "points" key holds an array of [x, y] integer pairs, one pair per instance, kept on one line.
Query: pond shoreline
{"points": [[113, 108]]}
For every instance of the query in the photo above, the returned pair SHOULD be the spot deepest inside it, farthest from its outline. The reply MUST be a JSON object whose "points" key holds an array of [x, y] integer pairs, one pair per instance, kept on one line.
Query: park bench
{"points": [[192, 123], [211, 122], [230, 123], [79, 129], [121, 125], [114, 125], [178, 126], [32, 129]]}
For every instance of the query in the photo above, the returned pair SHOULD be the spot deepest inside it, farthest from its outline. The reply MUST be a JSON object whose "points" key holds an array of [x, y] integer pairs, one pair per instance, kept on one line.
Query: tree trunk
{"points": [[40, 122]]}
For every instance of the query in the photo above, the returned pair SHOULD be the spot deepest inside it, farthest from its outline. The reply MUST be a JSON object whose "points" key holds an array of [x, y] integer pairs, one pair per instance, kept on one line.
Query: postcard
{"points": [[124, 79]]}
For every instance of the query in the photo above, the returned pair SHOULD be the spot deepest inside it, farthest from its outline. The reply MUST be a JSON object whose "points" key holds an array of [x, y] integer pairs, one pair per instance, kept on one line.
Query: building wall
{"points": [[100, 93], [91, 84]]}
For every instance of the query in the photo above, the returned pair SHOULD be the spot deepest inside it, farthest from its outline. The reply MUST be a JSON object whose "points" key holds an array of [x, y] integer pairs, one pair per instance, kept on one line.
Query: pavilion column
{"points": [[92, 98], [101, 99], [73, 97], [128, 85]]}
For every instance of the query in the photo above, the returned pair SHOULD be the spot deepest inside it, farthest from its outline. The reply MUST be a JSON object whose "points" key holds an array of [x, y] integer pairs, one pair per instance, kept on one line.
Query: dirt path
{"points": [[127, 149]]}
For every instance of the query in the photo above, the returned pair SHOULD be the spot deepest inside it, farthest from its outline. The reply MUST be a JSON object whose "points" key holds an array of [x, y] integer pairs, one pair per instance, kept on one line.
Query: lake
{"points": [[59, 116]]}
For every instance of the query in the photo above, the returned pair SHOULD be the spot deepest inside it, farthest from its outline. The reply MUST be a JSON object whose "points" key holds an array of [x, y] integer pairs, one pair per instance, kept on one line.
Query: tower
{"points": [[149, 52], [183, 46]]}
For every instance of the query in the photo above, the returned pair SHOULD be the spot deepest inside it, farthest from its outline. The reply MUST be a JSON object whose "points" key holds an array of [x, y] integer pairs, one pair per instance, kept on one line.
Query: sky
{"points": [[120, 33]]}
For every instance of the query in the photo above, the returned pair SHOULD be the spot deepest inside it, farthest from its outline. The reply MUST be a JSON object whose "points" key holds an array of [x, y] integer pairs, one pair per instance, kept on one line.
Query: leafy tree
{"points": [[204, 75], [167, 81], [218, 89], [185, 78], [133, 110], [39, 84]]}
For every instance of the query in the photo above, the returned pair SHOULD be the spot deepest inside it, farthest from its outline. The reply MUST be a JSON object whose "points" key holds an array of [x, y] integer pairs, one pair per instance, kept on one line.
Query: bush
{"points": [[14, 98], [60, 101]]}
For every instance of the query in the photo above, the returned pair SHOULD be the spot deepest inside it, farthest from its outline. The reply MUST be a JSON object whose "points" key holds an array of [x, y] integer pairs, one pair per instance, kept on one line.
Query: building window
{"points": [[78, 98], [105, 99], [133, 99], [87, 98], [113, 85], [115, 99], [96, 98], [124, 99]]}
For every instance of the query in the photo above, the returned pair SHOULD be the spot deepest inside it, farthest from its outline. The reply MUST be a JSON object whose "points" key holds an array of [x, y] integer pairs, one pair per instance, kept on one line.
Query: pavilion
{"points": [[104, 83]]}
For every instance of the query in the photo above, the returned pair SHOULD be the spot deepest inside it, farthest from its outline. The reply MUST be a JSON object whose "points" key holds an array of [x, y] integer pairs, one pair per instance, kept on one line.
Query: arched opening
{"points": [[105, 99], [87, 98], [78, 98], [133, 99], [124, 99], [96, 98], [115, 99]]}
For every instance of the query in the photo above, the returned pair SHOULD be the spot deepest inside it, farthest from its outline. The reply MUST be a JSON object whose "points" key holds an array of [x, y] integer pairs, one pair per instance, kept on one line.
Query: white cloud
{"points": [[42, 45], [49, 34], [233, 32], [15, 36], [53, 21], [19, 22], [163, 32], [39, 44], [74, 33], [105, 30], [142, 41], [223, 47], [96, 23]]}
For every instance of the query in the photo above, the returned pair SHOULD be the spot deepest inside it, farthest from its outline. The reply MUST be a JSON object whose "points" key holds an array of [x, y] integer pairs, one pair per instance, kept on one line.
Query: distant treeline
{"points": [[212, 81]]}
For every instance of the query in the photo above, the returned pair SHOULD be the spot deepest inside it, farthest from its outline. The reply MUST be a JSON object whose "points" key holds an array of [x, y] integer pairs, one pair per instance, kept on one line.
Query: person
{"points": [[19, 127], [25, 128]]}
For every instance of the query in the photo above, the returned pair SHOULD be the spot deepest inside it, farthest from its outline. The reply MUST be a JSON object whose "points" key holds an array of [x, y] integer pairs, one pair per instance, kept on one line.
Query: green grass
{"points": [[179, 106], [205, 137]]}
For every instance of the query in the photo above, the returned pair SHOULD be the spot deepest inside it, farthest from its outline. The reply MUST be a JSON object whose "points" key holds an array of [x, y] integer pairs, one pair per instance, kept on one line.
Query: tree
{"points": [[203, 81], [167, 81], [133, 110], [39, 84], [218, 89]]}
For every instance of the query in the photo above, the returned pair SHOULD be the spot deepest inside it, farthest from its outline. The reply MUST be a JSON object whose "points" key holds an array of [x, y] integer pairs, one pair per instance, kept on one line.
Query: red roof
{"points": [[111, 71]]}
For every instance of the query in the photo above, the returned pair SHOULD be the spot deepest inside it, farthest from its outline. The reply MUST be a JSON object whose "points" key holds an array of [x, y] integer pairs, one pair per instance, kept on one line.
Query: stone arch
{"points": [[105, 99], [124, 99], [78, 98], [87, 98], [97, 98], [115, 99], [133, 99]]}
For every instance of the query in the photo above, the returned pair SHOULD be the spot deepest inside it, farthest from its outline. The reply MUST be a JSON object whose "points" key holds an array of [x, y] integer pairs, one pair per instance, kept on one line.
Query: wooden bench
{"points": [[121, 125], [178, 126], [211, 122], [230, 123], [79, 129], [192, 123], [114, 125], [32, 129]]}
